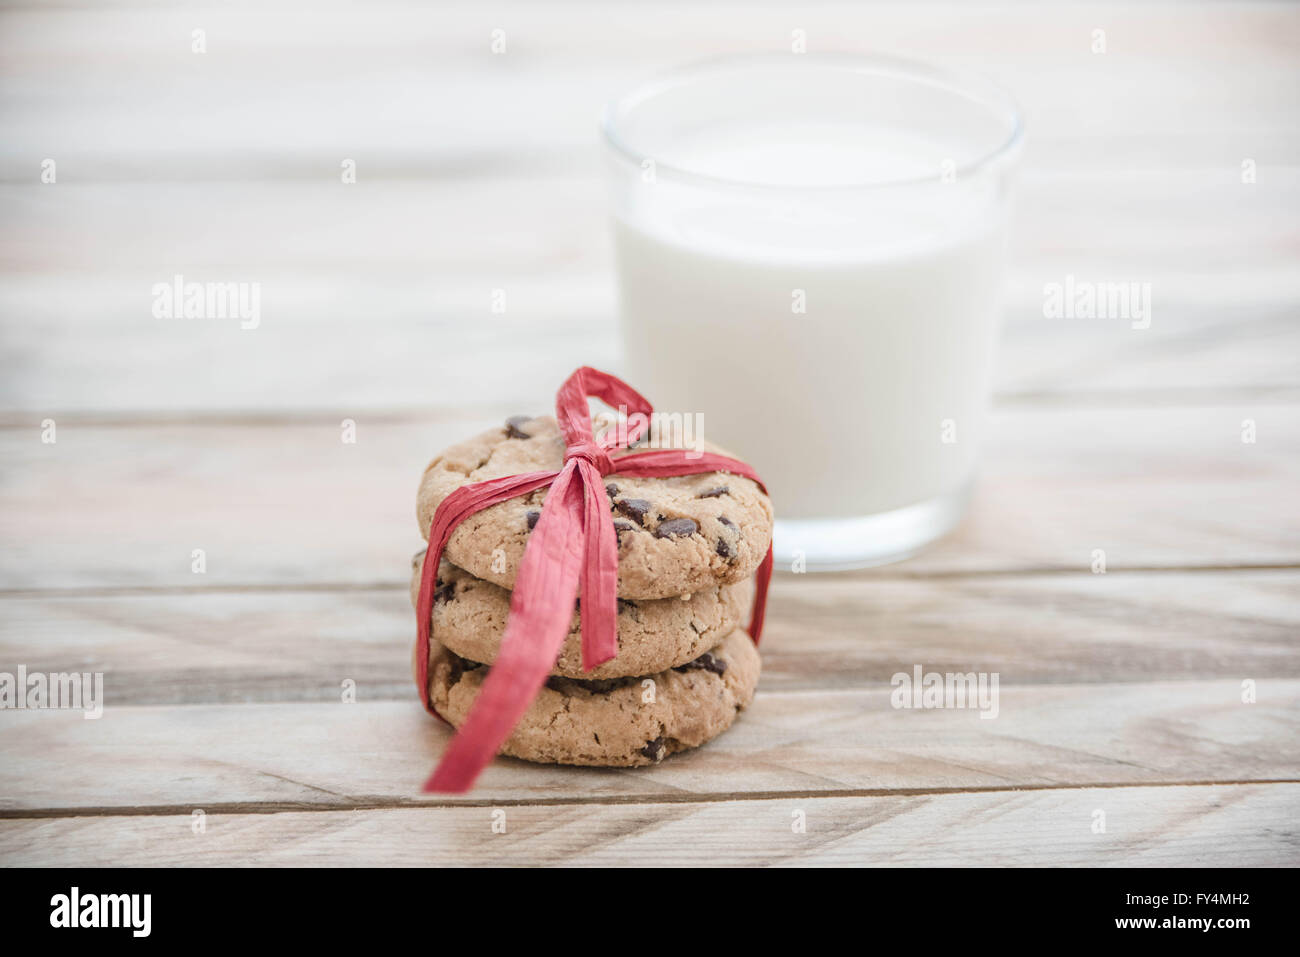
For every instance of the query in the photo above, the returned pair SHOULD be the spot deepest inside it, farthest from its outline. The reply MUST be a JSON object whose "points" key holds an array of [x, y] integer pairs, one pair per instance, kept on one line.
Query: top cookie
{"points": [[675, 535]]}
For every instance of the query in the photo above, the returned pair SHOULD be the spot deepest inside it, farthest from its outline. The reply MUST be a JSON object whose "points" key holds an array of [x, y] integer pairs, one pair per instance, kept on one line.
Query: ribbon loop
{"points": [[574, 417]]}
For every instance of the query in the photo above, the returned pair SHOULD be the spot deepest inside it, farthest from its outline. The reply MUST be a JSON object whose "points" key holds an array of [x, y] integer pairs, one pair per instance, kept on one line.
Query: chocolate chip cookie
{"points": [[469, 618], [618, 722], [676, 536]]}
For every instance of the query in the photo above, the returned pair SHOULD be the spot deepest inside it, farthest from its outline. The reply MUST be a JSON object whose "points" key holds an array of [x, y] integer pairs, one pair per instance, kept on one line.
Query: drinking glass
{"points": [[810, 258]]}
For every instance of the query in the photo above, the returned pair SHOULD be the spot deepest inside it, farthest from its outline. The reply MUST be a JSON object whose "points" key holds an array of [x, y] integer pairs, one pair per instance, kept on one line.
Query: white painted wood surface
{"points": [[1120, 692]]}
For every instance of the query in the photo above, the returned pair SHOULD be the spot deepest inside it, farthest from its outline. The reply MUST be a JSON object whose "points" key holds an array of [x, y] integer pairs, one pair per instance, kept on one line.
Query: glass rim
{"points": [[969, 86]]}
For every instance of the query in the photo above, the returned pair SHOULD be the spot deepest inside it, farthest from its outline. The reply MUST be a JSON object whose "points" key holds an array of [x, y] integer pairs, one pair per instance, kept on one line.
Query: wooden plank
{"points": [[1229, 77], [1223, 826], [819, 741], [824, 632], [369, 301], [106, 506], [349, 344], [89, 350], [1175, 225], [1177, 217]]}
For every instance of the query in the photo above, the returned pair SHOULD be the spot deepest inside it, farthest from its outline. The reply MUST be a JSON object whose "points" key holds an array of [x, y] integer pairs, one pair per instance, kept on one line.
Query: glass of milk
{"points": [[810, 259]]}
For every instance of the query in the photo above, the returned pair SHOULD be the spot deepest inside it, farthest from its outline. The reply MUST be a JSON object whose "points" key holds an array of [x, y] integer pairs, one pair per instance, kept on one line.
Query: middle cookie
{"points": [[469, 618]]}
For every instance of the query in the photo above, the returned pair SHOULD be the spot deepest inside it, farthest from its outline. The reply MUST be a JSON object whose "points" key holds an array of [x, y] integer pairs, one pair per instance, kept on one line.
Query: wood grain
{"points": [[372, 291], [1120, 692], [289, 503], [842, 632], [813, 742], [1223, 826], [368, 307], [1172, 89]]}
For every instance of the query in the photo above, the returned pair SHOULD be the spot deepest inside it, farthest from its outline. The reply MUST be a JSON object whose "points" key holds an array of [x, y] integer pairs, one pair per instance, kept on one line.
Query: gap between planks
{"points": [[685, 797], [846, 577]]}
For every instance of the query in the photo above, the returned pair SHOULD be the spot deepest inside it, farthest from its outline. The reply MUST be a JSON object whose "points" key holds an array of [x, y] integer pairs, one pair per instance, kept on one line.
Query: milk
{"points": [[847, 357], [810, 259]]}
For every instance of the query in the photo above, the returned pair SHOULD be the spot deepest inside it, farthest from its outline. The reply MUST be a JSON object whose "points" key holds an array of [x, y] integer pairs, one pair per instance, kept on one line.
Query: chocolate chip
{"points": [[532, 517], [459, 666], [654, 749], [611, 490], [596, 686], [513, 426], [714, 492], [444, 591], [604, 685], [676, 526], [622, 526], [634, 508], [705, 662], [725, 548]]}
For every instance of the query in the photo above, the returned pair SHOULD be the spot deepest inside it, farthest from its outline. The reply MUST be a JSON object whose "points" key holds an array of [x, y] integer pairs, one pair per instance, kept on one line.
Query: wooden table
{"points": [[1121, 693]]}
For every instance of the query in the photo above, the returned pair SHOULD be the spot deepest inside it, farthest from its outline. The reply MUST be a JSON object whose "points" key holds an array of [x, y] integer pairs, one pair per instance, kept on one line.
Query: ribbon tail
{"points": [[454, 509], [599, 573], [541, 610], [424, 616], [762, 579]]}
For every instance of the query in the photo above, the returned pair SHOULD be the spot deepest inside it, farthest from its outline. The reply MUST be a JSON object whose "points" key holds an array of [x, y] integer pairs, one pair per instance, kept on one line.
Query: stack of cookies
{"points": [[687, 549]]}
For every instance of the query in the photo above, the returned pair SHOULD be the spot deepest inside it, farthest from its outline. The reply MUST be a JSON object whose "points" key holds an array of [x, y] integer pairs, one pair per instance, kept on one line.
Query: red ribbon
{"points": [[572, 544]]}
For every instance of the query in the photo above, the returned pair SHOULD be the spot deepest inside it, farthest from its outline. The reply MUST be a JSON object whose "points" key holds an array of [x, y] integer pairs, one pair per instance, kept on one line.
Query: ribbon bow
{"points": [[572, 544]]}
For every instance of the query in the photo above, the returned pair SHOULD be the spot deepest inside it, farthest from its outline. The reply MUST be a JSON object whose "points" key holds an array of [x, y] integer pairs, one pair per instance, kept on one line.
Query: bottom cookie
{"points": [[618, 722]]}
